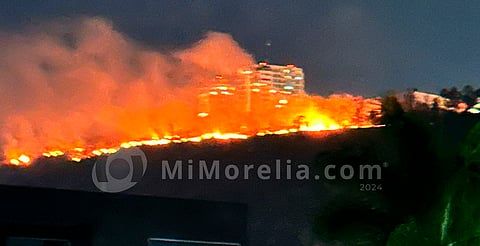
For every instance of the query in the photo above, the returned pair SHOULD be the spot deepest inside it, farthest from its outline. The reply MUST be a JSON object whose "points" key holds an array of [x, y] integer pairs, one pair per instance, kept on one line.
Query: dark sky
{"points": [[361, 47]]}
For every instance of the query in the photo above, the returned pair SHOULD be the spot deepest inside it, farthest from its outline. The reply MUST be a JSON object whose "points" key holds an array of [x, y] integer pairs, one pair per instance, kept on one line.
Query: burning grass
{"points": [[80, 88]]}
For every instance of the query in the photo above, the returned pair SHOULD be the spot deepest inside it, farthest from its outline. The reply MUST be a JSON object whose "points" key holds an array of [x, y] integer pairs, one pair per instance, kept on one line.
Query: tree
{"points": [[467, 90], [391, 110], [445, 93], [454, 94], [435, 107], [468, 95]]}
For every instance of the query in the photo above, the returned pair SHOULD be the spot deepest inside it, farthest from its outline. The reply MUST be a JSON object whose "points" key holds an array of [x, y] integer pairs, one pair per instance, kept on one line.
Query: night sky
{"points": [[360, 47]]}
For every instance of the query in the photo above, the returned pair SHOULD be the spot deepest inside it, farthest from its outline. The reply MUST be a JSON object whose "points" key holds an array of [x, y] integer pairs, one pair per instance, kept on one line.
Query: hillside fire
{"points": [[83, 90]]}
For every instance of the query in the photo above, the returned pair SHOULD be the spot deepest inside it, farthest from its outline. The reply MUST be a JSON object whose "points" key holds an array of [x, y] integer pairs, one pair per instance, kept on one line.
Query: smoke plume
{"points": [[80, 82]]}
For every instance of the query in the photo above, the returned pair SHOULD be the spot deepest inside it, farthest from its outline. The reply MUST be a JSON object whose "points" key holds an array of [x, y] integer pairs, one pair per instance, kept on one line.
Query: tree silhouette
{"points": [[468, 95], [391, 110], [445, 93], [454, 93]]}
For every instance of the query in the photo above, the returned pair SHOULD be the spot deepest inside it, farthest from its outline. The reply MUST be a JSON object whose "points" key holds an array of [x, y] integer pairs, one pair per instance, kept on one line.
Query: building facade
{"points": [[259, 86], [414, 100], [287, 79]]}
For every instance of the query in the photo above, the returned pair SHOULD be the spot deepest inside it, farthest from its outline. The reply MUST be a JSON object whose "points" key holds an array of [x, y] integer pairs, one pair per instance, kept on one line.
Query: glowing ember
{"points": [[21, 160]]}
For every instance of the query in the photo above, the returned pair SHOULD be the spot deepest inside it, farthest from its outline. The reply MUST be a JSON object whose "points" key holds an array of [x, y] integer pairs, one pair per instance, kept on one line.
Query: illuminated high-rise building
{"points": [[287, 79], [257, 87]]}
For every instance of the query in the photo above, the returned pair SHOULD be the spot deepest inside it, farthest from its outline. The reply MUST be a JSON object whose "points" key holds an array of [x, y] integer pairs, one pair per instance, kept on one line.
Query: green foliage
{"points": [[410, 233], [471, 147], [455, 218]]}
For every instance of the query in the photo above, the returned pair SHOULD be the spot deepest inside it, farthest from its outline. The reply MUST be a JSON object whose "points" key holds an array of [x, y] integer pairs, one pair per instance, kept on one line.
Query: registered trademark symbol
{"points": [[385, 164]]}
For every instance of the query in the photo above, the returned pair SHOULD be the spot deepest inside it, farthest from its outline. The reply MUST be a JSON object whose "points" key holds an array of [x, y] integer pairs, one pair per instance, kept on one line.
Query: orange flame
{"points": [[227, 120], [98, 91]]}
